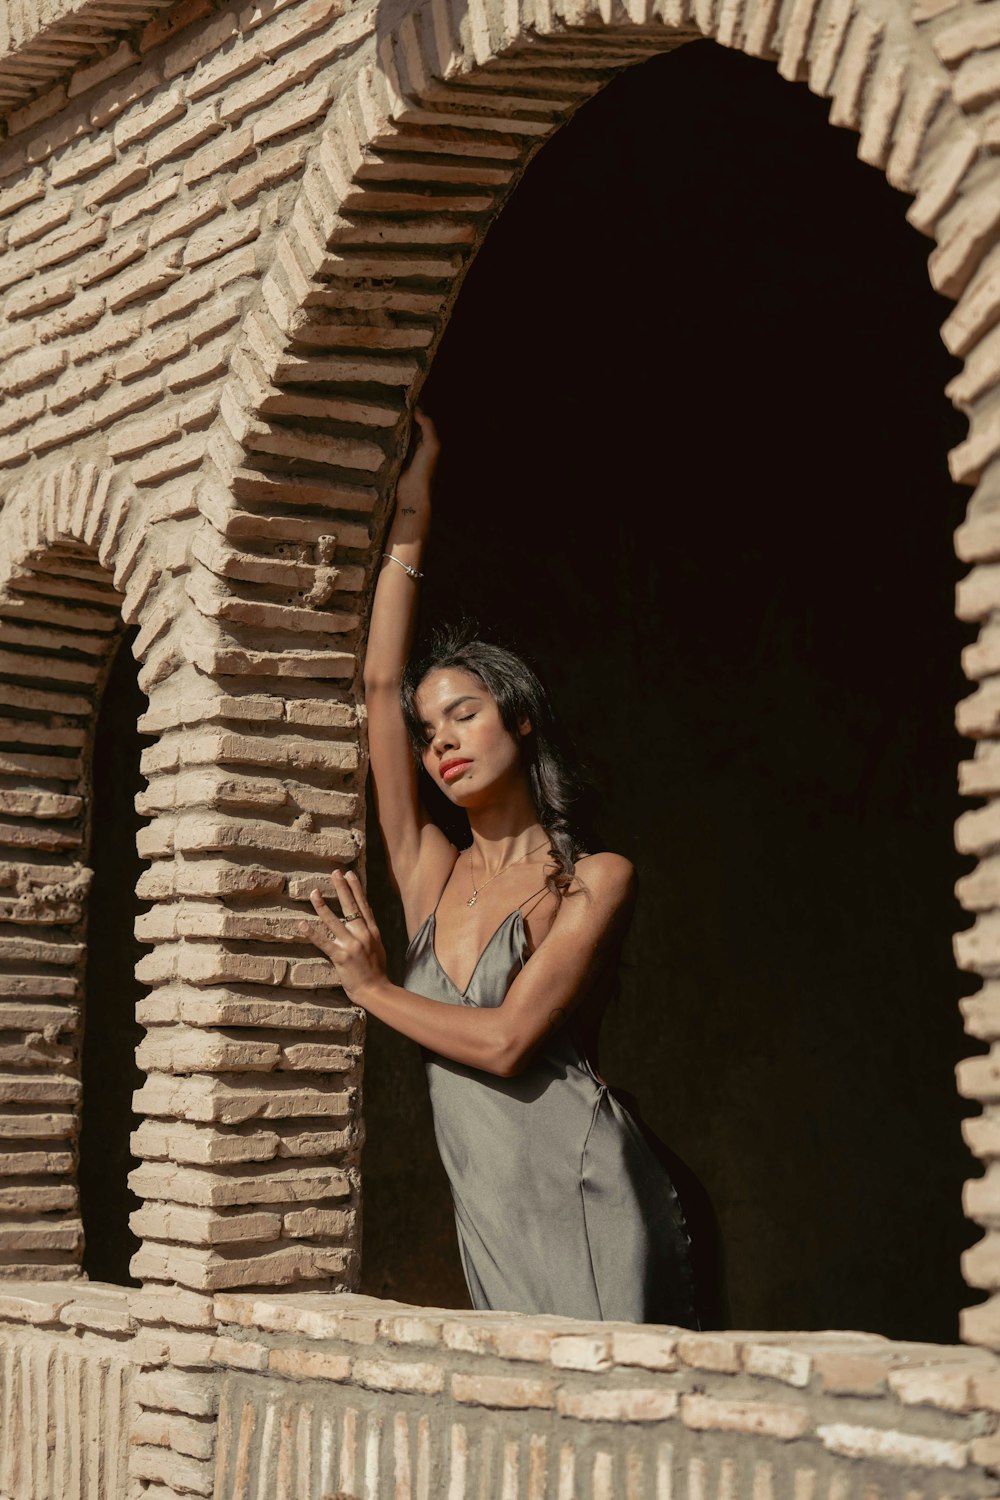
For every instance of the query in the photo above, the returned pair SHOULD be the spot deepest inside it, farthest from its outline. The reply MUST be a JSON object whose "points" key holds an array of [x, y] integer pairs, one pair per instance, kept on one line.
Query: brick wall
{"points": [[67, 1392], [366, 1397], [136, 220], [309, 1397], [231, 235]]}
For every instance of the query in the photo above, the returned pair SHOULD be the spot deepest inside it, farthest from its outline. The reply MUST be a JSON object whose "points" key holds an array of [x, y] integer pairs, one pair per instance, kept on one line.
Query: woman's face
{"points": [[467, 750]]}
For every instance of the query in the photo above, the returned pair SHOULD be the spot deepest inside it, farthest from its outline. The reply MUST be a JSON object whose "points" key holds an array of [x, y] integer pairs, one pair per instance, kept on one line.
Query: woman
{"points": [[561, 1206]]}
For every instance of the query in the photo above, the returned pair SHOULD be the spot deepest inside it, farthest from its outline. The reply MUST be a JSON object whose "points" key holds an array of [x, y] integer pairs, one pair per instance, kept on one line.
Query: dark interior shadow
{"points": [[112, 992], [695, 461]]}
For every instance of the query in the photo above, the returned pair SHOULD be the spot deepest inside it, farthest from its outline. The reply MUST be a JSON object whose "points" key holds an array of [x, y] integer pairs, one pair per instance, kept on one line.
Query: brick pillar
{"points": [[251, 1133], [978, 947]]}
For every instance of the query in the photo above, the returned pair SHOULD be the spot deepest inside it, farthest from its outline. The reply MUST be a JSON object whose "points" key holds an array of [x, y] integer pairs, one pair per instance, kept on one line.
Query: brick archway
{"points": [[61, 617], [419, 154]]}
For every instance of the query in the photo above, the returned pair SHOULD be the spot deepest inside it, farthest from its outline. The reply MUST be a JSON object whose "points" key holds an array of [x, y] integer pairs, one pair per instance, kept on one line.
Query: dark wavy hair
{"points": [[559, 794]]}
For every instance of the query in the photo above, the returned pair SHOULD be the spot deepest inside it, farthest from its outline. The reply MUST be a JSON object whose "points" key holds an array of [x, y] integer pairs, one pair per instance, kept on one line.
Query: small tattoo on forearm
{"points": [[409, 510], [556, 1017]]}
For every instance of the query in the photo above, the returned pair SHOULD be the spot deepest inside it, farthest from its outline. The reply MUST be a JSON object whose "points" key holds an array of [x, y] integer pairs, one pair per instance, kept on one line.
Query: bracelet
{"points": [[413, 572]]}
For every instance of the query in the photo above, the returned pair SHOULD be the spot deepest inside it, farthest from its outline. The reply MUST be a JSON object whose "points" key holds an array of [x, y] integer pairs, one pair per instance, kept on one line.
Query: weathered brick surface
{"points": [[66, 1371], [337, 1367], [231, 236]]}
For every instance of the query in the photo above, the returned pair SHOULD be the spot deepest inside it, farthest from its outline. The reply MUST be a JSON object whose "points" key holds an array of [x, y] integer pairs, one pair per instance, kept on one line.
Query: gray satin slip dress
{"points": [[560, 1204]]}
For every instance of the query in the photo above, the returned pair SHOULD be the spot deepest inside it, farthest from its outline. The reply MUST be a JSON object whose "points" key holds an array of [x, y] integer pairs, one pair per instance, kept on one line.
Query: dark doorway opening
{"points": [[695, 462], [111, 1031]]}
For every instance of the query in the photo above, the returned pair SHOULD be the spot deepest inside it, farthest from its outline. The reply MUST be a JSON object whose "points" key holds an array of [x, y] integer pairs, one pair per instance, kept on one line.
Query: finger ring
{"points": [[349, 916]]}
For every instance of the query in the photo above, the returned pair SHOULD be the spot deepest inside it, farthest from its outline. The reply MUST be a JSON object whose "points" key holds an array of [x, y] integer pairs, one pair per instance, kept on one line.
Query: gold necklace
{"points": [[476, 889]]}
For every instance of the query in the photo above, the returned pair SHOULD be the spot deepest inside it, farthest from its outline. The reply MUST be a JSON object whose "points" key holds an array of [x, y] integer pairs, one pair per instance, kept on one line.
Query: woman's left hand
{"points": [[351, 941]]}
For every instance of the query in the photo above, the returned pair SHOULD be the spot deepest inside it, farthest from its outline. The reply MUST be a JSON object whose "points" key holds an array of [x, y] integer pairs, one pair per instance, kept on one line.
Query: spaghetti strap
{"points": [[535, 897]]}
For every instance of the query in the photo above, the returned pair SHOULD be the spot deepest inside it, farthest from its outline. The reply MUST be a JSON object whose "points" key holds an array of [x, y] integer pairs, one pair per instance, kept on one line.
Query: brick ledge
{"points": [[951, 1377], [42, 41]]}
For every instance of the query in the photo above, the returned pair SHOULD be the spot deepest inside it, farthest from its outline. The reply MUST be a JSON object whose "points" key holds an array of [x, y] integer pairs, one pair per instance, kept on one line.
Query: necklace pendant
{"points": [[473, 899]]}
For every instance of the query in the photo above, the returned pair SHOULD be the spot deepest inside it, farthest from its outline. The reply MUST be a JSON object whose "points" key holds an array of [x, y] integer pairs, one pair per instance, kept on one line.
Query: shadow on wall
{"points": [[112, 992], [695, 441]]}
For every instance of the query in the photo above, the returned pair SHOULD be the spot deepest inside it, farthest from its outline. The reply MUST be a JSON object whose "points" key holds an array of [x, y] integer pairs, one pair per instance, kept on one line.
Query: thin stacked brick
{"points": [[368, 1397], [121, 351], [399, 124], [966, 265], [232, 237], [41, 40], [309, 1396], [61, 617], [66, 1394]]}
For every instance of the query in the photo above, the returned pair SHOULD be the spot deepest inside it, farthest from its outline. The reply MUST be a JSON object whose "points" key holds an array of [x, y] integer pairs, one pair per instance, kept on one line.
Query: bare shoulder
{"points": [[598, 906], [608, 879]]}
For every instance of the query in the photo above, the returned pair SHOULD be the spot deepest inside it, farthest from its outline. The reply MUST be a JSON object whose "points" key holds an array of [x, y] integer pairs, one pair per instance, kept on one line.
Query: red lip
{"points": [[448, 768]]}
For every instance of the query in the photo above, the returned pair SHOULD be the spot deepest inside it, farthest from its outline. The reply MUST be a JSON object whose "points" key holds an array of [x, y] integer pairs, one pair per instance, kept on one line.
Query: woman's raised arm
{"points": [[418, 853]]}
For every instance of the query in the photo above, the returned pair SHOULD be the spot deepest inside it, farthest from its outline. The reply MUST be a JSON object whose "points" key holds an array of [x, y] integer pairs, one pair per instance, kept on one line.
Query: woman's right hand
{"points": [[413, 490]]}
